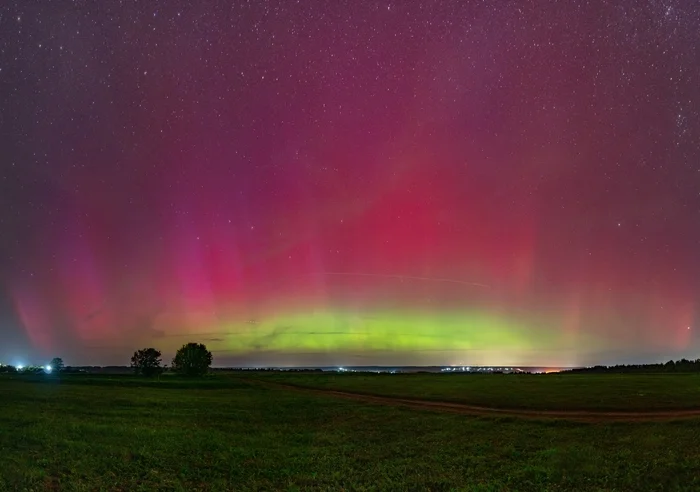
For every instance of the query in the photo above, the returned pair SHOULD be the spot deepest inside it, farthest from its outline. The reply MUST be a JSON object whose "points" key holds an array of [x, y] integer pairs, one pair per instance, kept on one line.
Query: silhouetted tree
{"points": [[147, 362], [56, 364], [192, 359]]}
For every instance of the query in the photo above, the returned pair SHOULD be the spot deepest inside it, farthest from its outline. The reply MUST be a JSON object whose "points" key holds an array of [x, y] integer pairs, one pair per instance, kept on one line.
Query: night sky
{"points": [[350, 182]]}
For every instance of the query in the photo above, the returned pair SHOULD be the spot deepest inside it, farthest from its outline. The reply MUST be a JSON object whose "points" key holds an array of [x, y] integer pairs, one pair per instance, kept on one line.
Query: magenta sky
{"points": [[325, 183]]}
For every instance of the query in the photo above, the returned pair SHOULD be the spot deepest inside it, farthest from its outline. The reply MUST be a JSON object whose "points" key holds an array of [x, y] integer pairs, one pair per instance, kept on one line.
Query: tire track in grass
{"points": [[480, 411]]}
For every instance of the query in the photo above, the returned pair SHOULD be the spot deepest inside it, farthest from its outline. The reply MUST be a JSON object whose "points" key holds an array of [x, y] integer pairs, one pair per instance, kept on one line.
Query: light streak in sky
{"points": [[407, 277]]}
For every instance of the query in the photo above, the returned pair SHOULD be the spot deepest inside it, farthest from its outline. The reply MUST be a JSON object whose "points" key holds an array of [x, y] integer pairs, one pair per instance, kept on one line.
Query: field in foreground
{"points": [[83, 433], [594, 392]]}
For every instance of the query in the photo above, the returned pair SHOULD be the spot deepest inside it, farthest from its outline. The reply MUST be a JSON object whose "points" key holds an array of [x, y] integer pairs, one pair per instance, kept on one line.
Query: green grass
{"points": [[542, 392], [121, 433]]}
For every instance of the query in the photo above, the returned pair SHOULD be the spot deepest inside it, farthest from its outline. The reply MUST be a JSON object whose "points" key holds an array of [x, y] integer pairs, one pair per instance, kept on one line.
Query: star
{"points": [[445, 145]]}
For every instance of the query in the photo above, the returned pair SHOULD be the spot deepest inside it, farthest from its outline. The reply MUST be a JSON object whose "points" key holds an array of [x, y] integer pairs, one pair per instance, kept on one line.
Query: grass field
{"points": [[521, 391], [121, 433]]}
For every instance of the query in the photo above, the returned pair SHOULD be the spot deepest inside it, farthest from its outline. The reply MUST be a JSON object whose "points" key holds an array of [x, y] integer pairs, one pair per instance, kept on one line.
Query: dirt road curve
{"points": [[465, 409]]}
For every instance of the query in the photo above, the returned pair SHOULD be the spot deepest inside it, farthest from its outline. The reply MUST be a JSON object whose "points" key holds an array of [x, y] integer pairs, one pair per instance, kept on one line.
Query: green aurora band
{"points": [[468, 337]]}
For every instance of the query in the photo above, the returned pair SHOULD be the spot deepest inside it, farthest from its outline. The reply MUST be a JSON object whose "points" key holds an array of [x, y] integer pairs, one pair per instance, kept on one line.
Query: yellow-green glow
{"points": [[386, 330]]}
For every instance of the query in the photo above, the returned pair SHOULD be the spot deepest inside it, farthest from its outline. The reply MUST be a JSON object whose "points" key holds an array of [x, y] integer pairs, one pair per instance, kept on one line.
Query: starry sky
{"points": [[350, 182]]}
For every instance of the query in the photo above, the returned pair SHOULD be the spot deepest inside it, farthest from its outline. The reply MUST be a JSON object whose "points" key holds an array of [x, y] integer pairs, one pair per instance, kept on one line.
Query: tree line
{"points": [[683, 365], [56, 365]]}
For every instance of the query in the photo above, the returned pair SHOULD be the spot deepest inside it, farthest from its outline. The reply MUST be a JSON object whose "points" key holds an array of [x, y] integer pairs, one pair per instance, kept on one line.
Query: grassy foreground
{"points": [[632, 392], [83, 433]]}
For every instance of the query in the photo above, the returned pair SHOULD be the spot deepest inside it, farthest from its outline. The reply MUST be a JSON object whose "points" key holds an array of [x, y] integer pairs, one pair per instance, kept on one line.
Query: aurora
{"points": [[441, 183]]}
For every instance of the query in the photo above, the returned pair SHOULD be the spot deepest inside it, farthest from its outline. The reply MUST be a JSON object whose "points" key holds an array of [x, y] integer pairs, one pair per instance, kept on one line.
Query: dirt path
{"points": [[466, 409]]}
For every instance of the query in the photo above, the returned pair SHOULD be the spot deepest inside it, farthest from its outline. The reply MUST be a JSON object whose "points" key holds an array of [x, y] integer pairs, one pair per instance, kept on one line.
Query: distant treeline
{"points": [[683, 365], [266, 369], [129, 370]]}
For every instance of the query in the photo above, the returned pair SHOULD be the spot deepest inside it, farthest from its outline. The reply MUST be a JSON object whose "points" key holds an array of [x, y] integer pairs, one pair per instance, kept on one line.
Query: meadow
{"points": [[230, 432], [595, 392]]}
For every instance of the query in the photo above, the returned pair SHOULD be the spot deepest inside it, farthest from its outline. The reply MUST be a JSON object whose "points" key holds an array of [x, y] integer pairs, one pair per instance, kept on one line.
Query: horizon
{"points": [[215, 365]]}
